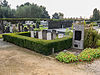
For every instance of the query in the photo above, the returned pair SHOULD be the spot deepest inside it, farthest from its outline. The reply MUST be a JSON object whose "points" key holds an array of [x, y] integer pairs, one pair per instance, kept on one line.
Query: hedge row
{"points": [[38, 45], [32, 19]]}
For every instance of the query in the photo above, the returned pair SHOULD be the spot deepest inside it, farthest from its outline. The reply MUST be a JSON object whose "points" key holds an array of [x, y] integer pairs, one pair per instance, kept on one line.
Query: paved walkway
{"points": [[15, 60]]}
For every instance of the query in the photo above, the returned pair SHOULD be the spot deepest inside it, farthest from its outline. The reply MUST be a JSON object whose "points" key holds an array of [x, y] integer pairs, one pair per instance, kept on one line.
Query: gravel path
{"points": [[15, 60], [4, 44]]}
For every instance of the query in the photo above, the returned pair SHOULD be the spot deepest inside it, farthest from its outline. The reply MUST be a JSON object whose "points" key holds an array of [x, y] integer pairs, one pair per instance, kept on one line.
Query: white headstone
{"points": [[11, 29], [40, 35], [32, 34], [49, 36]]}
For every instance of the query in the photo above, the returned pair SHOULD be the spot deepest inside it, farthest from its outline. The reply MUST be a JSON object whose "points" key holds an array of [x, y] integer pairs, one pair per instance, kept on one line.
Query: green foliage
{"points": [[26, 10], [68, 32], [6, 12], [31, 11], [90, 38], [89, 54], [95, 24], [38, 45], [0, 36], [96, 15], [57, 15], [66, 57]]}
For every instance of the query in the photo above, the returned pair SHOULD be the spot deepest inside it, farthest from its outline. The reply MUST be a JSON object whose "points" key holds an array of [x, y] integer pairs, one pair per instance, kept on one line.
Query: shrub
{"points": [[28, 34], [0, 36], [89, 54], [90, 38], [66, 57], [38, 45], [68, 32]]}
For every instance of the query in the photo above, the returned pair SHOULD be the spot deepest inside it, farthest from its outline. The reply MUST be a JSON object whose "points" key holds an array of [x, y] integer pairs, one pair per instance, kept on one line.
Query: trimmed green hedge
{"points": [[38, 45]]}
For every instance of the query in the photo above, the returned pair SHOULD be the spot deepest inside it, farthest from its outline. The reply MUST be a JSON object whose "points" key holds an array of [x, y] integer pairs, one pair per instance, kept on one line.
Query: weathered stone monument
{"points": [[44, 34], [54, 34], [78, 36]]}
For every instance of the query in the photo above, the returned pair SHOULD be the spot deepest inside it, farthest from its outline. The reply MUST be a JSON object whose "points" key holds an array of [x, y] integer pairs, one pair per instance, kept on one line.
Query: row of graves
{"points": [[21, 27], [47, 34], [78, 35]]}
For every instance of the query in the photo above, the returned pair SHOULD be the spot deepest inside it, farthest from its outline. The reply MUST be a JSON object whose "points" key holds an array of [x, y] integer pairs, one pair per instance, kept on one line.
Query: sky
{"points": [[70, 8]]}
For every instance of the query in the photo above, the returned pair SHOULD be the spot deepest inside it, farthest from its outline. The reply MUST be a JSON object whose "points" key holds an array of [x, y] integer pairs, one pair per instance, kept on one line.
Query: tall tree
{"points": [[96, 15], [5, 3], [58, 15], [45, 13], [55, 16], [61, 15], [31, 11]]}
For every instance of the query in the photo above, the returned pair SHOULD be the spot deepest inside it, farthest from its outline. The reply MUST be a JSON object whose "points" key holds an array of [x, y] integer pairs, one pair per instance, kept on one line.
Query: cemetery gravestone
{"points": [[44, 34], [40, 35], [36, 34], [11, 29], [49, 35], [78, 36], [53, 34], [32, 34]]}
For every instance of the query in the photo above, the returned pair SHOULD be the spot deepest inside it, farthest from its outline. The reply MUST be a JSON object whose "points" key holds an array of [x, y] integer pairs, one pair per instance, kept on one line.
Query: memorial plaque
{"points": [[78, 35]]}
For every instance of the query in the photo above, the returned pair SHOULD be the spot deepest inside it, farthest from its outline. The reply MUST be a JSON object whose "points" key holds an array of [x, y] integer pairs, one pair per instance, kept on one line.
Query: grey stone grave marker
{"points": [[78, 36], [54, 34], [44, 34]]}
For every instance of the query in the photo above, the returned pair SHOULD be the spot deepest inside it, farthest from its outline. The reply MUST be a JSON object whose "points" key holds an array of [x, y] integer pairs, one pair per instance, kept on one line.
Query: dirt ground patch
{"points": [[15, 60]]}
